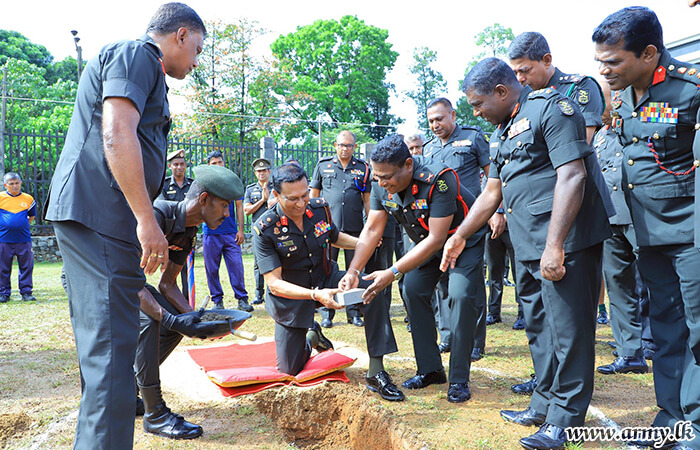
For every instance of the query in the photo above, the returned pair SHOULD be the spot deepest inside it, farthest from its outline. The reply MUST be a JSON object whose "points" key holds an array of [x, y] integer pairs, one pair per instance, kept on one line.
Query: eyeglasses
{"points": [[346, 146]]}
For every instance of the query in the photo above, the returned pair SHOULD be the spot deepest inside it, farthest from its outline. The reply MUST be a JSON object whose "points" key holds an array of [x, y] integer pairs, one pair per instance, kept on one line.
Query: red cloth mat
{"points": [[245, 369]]}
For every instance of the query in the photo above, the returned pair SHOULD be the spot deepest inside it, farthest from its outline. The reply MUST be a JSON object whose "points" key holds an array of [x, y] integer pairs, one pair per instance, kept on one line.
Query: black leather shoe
{"points": [[477, 353], [218, 306], [243, 305], [381, 384], [408, 327], [405, 319], [28, 298], [258, 301], [547, 437], [507, 282], [527, 417], [641, 443], [139, 407], [519, 323], [526, 388], [170, 425], [327, 323], [603, 318], [4, 298], [458, 393], [357, 321], [323, 342], [493, 319], [444, 347], [625, 364], [648, 353], [421, 380], [612, 344]]}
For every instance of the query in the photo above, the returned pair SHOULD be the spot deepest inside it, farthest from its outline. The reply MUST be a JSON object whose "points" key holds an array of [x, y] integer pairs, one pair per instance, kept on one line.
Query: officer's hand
{"points": [[266, 193], [154, 246], [497, 222], [240, 237], [325, 297], [453, 248], [349, 281], [692, 3], [185, 324], [552, 264], [382, 279]]}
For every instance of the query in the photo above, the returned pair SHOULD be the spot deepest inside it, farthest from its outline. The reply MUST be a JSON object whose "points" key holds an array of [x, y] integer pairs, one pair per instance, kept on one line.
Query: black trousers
{"points": [[496, 254], [103, 279], [352, 310]]}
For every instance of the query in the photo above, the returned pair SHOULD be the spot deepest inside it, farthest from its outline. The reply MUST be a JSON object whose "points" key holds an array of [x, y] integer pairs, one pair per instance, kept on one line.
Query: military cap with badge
{"points": [[261, 164]]}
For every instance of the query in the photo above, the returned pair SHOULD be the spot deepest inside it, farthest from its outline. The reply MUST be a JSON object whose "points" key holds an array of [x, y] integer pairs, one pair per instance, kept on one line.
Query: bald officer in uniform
{"points": [[557, 224], [255, 203], [656, 115], [466, 150], [344, 182], [165, 314], [101, 205], [292, 243], [426, 198]]}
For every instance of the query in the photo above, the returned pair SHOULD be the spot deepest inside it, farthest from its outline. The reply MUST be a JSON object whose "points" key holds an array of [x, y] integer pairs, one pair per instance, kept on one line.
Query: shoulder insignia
{"points": [[442, 185], [565, 107], [318, 202], [425, 176], [583, 97], [543, 93], [268, 219], [462, 143], [326, 158], [689, 73]]}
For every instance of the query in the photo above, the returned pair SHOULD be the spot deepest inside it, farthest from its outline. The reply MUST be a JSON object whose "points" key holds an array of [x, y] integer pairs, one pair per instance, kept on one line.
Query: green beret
{"points": [[261, 163], [219, 181]]}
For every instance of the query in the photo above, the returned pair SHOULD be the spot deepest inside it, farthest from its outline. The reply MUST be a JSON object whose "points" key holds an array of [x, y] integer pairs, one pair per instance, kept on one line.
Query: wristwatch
{"points": [[397, 274]]}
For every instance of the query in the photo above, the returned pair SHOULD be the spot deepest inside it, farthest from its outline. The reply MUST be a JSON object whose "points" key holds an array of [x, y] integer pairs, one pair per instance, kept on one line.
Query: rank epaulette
{"points": [[318, 202], [572, 78], [684, 71], [543, 93], [268, 219], [326, 158]]}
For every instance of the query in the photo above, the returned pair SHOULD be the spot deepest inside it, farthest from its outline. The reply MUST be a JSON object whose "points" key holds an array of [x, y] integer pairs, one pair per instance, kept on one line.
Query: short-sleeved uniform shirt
{"points": [[15, 212], [253, 194], [609, 151], [466, 151], [343, 189], [83, 188], [172, 191], [659, 134], [303, 255], [171, 218], [544, 132], [433, 192]]}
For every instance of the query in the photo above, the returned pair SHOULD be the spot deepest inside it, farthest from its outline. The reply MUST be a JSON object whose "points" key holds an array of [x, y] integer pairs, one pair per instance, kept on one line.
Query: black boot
{"points": [[159, 420]]}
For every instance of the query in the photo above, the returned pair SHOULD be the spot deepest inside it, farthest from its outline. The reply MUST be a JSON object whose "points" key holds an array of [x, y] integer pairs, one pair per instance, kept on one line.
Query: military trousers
{"points": [[466, 286], [103, 279], [497, 250], [155, 343], [259, 280], [672, 273], [560, 327], [620, 274], [352, 310]]}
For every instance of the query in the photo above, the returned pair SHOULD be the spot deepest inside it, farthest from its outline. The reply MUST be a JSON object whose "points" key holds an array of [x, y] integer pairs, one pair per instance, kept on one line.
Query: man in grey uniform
{"points": [[110, 170]]}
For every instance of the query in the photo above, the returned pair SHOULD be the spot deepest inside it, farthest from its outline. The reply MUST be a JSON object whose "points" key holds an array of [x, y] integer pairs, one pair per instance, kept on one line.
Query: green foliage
{"points": [[229, 85], [66, 70], [336, 70], [14, 45], [429, 82]]}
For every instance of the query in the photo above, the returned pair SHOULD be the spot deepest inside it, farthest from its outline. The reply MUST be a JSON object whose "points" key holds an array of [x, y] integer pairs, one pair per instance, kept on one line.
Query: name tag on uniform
{"points": [[321, 227], [389, 204], [462, 143], [328, 171], [285, 244], [658, 112], [420, 204], [171, 192], [518, 127]]}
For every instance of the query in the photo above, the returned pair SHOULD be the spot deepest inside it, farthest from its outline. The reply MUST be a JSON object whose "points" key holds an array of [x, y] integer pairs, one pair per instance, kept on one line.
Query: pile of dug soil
{"points": [[12, 424]]}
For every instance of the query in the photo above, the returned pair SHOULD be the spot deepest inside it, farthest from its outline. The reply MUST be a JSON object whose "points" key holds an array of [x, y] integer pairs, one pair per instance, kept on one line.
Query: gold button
{"points": [[510, 210], [697, 126], [635, 139], [671, 67], [617, 154], [506, 161], [696, 163], [614, 169], [503, 138], [519, 143], [656, 135], [614, 188], [505, 184], [630, 162], [630, 186], [634, 113]]}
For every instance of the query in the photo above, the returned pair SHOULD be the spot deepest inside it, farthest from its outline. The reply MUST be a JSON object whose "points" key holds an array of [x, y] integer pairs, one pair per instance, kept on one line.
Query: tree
{"points": [[232, 92], [429, 82], [14, 45], [494, 41], [336, 71]]}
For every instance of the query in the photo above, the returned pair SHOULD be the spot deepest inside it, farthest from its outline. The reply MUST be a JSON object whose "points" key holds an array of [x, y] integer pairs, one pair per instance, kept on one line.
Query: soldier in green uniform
{"points": [[426, 198], [557, 224], [655, 114], [466, 150], [292, 244], [255, 203], [344, 182]]}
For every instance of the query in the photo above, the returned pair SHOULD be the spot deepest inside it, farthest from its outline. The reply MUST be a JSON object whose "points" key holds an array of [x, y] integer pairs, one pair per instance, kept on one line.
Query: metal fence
{"points": [[33, 155]]}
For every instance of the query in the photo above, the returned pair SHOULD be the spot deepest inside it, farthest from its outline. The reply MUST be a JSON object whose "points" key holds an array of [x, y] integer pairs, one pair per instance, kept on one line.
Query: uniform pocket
{"points": [[662, 136], [671, 190], [541, 206]]}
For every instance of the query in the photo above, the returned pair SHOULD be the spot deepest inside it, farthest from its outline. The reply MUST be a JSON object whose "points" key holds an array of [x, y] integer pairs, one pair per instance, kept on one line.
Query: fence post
{"points": [[267, 149], [366, 151]]}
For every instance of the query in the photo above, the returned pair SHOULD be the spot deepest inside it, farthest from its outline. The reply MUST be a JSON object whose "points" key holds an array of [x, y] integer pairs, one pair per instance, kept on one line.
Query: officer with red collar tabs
{"points": [[292, 244], [426, 198], [557, 224], [656, 115]]}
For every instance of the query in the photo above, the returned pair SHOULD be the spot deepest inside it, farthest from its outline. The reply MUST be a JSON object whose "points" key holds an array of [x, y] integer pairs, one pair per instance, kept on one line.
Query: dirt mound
{"points": [[12, 424], [334, 415]]}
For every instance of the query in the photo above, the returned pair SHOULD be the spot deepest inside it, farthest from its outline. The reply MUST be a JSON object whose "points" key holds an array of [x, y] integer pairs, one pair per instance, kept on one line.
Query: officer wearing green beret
{"points": [[656, 116], [557, 223], [255, 203], [165, 314], [426, 198]]}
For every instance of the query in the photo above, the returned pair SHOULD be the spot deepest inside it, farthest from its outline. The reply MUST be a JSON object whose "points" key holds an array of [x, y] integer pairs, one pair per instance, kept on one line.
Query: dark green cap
{"points": [[261, 163], [219, 181]]}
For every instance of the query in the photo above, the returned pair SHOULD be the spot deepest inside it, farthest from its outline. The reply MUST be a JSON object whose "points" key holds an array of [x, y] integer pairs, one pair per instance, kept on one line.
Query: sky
{"points": [[447, 27]]}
